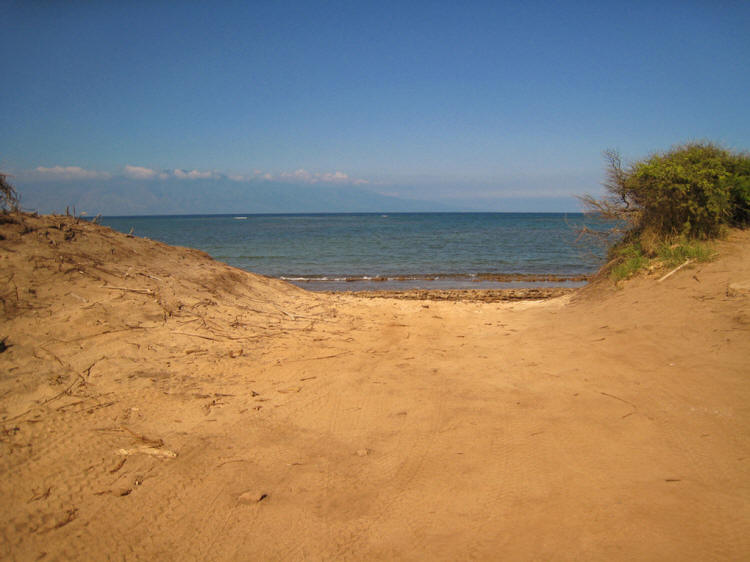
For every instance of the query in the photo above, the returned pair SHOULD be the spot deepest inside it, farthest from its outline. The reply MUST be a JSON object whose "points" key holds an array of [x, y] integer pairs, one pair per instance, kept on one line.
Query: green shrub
{"points": [[693, 190], [666, 202], [690, 190], [630, 259], [683, 250], [738, 184]]}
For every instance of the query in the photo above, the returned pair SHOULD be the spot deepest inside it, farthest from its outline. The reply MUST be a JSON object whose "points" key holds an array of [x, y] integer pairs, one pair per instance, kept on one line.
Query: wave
{"points": [[477, 277]]}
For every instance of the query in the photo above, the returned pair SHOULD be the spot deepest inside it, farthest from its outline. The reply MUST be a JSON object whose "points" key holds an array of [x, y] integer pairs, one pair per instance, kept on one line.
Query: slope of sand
{"points": [[158, 405]]}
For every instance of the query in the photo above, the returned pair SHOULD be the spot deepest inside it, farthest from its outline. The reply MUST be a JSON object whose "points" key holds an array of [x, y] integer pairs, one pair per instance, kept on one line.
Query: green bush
{"points": [[663, 205], [738, 184], [692, 190], [629, 259]]}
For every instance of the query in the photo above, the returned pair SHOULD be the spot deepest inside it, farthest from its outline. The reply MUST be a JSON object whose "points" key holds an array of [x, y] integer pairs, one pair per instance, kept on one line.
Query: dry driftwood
{"points": [[161, 453], [675, 270]]}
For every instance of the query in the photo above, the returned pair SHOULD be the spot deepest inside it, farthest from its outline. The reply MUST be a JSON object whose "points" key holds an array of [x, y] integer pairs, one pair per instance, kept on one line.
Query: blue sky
{"points": [[473, 104]]}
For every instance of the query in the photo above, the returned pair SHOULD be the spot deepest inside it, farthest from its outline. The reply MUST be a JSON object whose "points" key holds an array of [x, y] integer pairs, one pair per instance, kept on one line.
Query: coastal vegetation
{"points": [[668, 207], [8, 194]]}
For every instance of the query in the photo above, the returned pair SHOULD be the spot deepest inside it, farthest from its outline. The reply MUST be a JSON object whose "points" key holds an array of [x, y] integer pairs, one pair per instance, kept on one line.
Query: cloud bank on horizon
{"points": [[64, 173], [77, 173]]}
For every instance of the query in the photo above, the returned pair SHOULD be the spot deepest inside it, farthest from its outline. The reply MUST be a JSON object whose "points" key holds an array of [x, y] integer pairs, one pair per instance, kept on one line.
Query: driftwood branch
{"points": [[675, 270]]}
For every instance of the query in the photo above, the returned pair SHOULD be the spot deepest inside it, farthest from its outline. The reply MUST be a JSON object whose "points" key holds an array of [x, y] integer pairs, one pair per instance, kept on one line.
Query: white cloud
{"points": [[143, 173], [194, 175], [337, 177], [299, 175], [69, 173], [250, 177], [140, 173]]}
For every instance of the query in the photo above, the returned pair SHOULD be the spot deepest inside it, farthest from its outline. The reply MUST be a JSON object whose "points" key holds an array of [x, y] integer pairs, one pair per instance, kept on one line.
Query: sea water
{"points": [[389, 251]]}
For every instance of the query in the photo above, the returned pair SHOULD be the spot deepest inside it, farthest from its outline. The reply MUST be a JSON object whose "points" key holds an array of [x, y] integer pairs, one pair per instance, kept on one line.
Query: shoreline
{"points": [[473, 277], [483, 282], [463, 295]]}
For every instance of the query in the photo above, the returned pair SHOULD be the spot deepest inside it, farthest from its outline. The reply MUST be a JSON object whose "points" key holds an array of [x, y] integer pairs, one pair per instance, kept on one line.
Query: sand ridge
{"points": [[156, 404]]}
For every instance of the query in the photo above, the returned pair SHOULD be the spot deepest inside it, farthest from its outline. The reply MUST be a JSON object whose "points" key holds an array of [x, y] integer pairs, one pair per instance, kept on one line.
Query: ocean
{"points": [[366, 251]]}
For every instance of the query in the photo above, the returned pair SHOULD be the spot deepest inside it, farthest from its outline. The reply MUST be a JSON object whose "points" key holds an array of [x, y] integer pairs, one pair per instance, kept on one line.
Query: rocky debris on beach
{"points": [[470, 295]]}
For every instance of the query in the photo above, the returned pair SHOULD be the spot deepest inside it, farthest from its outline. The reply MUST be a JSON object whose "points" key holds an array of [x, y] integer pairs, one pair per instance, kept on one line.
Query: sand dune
{"points": [[156, 404]]}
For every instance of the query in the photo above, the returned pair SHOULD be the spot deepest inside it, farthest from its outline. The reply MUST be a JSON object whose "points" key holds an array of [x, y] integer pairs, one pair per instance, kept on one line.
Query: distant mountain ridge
{"points": [[126, 196]]}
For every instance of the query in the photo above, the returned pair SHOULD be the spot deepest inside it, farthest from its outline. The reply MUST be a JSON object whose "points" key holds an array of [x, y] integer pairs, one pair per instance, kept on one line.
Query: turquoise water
{"points": [[377, 251]]}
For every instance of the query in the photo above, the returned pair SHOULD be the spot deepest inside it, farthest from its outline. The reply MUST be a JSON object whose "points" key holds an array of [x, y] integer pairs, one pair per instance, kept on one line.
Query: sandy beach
{"points": [[156, 404]]}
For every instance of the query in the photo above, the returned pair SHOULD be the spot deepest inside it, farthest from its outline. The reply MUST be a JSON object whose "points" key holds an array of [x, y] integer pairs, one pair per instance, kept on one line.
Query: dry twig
{"points": [[675, 270]]}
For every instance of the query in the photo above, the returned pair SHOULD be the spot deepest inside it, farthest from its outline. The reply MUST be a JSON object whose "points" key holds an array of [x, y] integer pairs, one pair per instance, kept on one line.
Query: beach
{"points": [[157, 404]]}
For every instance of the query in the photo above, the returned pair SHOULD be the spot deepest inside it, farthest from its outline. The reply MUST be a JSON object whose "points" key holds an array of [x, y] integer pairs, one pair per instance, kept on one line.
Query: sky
{"points": [[464, 105]]}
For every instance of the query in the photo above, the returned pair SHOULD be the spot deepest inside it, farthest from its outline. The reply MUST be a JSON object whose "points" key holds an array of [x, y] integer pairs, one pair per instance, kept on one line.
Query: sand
{"points": [[156, 404]]}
